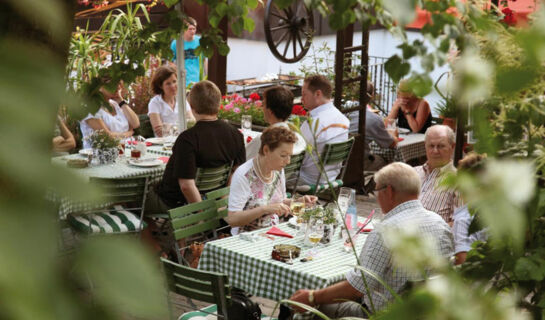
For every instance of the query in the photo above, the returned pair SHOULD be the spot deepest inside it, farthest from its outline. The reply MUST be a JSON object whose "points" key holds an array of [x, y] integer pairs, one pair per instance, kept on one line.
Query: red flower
{"points": [[509, 18], [298, 110], [254, 96], [249, 139]]}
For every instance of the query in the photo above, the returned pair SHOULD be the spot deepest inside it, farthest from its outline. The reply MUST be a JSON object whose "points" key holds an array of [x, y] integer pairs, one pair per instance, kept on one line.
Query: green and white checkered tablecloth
{"points": [[412, 147], [250, 267], [156, 149], [120, 169]]}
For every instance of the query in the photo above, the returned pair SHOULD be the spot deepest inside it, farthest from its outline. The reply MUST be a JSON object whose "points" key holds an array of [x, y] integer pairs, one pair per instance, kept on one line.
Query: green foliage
{"points": [[37, 280]]}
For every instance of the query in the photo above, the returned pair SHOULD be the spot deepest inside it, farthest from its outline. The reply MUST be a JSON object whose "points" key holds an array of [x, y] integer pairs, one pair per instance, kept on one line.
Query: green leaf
{"points": [[408, 50], [530, 268], [223, 49], [249, 24], [396, 68], [403, 11], [170, 3], [512, 80], [123, 275]]}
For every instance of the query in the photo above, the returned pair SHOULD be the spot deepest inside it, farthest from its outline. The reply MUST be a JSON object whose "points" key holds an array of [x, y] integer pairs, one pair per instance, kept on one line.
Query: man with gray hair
{"points": [[439, 142], [398, 187]]}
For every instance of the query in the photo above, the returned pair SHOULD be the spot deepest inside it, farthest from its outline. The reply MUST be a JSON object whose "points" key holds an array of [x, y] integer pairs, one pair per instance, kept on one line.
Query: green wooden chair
{"points": [[116, 218], [200, 285], [292, 170], [145, 130], [208, 179], [195, 219], [333, 154], [221, 197]]}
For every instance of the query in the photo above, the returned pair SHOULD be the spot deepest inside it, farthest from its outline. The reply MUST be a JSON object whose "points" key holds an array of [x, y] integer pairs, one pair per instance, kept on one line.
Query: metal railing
{"points": [[385, 88]]}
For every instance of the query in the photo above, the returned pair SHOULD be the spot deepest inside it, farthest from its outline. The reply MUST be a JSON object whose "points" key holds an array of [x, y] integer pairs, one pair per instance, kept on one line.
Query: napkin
{"points": [[134, 142], [164, 159], [277, 232]]}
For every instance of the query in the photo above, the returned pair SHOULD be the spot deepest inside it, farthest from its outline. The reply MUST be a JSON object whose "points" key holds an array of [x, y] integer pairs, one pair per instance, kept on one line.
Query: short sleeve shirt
{"points": [[163, 109], [208, 144], [249, 191]]}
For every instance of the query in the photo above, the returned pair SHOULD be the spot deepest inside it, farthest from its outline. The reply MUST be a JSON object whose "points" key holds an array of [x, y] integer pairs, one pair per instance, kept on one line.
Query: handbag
{"points": [[242, 307]]}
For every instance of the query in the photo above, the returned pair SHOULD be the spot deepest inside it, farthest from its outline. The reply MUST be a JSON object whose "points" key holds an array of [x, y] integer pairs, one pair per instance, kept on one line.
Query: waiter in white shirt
{"points": [[332, 126]]}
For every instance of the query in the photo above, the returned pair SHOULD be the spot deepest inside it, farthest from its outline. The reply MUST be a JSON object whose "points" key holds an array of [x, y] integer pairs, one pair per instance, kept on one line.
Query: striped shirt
{"points": [[434, 197], [377, 258]]}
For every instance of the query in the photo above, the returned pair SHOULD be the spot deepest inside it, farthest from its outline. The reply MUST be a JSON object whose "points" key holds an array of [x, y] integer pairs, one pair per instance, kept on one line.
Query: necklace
{"points": [[260, 173]]}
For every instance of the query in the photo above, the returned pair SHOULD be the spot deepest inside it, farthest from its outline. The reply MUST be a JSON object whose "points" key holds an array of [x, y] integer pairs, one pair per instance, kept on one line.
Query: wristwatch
{"points": [[122, 103], [407, 113], [311, 297]]}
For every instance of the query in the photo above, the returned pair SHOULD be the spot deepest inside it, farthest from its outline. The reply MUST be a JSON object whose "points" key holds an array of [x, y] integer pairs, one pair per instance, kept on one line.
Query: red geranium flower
{"points": [[509, 18], [254, 96], [298, 110]]}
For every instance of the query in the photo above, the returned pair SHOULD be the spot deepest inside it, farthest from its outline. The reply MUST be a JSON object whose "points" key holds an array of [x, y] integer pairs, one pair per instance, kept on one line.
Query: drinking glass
{"points": [[166, 130], [246, 122], [344, 199], [316, 234], [391, 127]]}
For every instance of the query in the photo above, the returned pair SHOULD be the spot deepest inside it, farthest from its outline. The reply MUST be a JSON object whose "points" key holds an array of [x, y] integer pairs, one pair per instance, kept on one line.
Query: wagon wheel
{"points": [[289, 31]]}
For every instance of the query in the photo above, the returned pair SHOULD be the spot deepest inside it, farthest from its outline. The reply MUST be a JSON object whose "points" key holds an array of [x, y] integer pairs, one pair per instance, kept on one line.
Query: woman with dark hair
{"points": [[163, 108], [258, 187], [277, 105]]}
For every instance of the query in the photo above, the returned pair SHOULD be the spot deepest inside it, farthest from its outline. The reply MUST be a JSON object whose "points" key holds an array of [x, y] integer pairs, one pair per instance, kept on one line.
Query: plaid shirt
{"points": [[434, 197], [376, 257]]}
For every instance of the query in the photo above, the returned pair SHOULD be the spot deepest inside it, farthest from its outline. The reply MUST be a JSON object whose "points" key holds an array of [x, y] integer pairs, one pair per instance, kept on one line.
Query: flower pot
{"points": [[450, 122], [104, 156]]}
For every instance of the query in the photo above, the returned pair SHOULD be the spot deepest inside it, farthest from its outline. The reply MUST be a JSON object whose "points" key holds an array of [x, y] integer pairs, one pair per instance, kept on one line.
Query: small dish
{"points": [[145, 162], [86, 152], [403, 130]]}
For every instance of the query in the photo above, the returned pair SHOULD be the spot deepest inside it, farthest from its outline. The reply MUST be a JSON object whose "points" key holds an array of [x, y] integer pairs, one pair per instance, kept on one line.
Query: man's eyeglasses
{"points": [[381, 188]]}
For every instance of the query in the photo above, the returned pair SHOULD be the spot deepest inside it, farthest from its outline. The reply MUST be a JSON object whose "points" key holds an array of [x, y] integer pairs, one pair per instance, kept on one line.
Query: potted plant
{"points": [[105, 147], [447, 107]]}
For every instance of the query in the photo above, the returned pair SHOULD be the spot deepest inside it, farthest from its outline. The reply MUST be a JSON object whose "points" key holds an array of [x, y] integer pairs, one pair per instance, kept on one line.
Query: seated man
{"points": [[439, 141], [277, 105], [361, 158], [209, 143], [332, 127], [397, 192]]}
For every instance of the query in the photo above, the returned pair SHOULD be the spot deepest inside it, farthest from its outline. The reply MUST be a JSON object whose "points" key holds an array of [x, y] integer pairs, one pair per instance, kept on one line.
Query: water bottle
{"points": [[352, 216]]}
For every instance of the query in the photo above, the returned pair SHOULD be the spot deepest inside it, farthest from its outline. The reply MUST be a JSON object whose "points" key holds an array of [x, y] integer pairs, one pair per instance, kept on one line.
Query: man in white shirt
{"points": [[332, 127]]}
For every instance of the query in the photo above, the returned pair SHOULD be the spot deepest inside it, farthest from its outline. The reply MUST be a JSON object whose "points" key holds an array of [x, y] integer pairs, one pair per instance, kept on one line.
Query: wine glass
{"points": [[246, 123], [316, 234]]}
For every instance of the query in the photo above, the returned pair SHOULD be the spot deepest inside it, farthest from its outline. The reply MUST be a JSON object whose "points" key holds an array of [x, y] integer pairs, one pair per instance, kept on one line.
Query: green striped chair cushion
{"points": [[313, 189], [209, 313], [117, 221]]}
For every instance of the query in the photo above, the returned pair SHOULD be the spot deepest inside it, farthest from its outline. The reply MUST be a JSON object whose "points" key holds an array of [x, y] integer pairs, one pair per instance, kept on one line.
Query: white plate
{"points": [[86, 152], [145, 163], [158, 140], [403, 130]]}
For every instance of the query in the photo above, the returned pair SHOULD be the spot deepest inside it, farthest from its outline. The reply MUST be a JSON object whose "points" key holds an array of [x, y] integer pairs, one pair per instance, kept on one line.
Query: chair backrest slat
{"points": [[221, 197], [197, 284], [185, 232], [121, 190], [213, 178], [194, 218]]}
